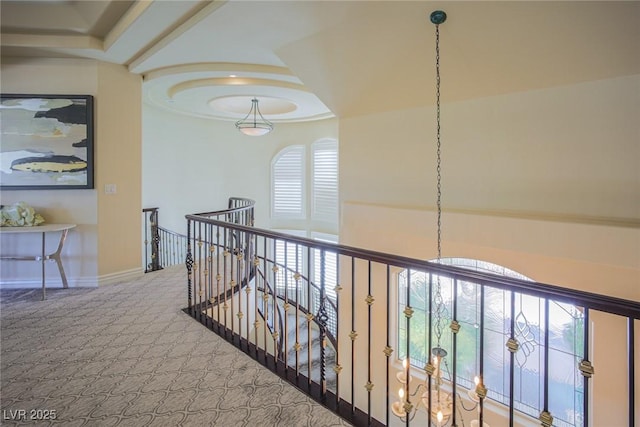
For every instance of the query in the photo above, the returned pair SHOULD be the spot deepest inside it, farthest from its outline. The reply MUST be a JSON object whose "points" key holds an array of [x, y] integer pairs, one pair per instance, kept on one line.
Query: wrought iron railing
{"points": [[165, 248], [151, 240], [371, 329], [162, 247]]}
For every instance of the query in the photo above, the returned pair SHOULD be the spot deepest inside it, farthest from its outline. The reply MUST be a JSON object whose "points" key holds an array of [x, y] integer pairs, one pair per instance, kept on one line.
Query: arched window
{"points": [[288, 195], [565, 330]]}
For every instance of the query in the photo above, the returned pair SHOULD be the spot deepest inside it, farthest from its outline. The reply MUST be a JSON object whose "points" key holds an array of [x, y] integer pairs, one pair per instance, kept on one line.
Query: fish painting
{"points": [[49, 164]]}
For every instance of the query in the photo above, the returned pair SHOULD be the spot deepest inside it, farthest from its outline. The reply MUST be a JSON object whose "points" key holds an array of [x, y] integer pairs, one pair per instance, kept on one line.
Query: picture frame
{"points": [[47, 142]]}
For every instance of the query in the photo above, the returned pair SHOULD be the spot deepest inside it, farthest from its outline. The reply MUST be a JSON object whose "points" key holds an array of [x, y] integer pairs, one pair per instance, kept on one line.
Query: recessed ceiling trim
{"points": [[205, 9], [233, 81], [216, 66], [51, 41], [216, 116], [129, 19]]}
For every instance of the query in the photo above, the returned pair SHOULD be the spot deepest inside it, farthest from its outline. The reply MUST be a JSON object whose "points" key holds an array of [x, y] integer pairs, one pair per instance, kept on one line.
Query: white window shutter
{"points": [[287, 183], [325, 181]]}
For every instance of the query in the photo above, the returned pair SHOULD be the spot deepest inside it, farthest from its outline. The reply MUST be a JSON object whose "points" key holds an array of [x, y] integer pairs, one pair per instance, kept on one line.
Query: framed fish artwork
{"points": [[46, 142]]}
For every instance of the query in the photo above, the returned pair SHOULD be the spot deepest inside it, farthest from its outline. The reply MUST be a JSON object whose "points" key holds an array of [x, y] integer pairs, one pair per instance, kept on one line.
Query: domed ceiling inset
{"points": [[224, 91], [241, 104]]}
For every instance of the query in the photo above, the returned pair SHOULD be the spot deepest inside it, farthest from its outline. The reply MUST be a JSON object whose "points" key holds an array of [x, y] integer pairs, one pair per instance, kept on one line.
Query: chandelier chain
{"points": [[439, 303], [438, 155]]}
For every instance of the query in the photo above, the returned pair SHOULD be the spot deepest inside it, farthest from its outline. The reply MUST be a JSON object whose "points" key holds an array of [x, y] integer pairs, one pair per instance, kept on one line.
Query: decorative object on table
{"points": [[47, 142], [20, 215]]}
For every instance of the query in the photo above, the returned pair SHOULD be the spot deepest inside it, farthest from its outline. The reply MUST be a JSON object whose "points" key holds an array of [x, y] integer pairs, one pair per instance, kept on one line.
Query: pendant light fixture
{"points": [[436, 400], [254, 124]]}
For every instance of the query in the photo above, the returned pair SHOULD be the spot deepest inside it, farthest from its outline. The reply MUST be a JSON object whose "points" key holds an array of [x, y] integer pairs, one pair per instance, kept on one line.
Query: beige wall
{"points": [[546, 183], [568, 151], [119, 159], [106, 243]]}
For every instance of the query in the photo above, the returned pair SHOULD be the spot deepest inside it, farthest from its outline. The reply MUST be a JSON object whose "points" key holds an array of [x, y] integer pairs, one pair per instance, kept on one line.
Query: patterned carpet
{"points": [[127, 355]]}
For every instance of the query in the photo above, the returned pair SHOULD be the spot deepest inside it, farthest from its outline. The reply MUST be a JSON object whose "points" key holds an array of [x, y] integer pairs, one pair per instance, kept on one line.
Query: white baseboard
{"points": [[74, 282]]}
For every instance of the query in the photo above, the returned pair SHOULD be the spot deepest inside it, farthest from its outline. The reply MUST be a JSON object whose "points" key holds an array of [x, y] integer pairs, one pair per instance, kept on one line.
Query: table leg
{"points": [[43, 260], [56, 256]]}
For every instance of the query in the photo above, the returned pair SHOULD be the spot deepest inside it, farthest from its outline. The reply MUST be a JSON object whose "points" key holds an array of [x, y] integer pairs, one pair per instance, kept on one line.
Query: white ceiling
{"points": [[308, 60]]}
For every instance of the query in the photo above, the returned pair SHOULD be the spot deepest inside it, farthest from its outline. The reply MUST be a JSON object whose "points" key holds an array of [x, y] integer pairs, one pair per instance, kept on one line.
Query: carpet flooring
{"points": [[126, 355]]}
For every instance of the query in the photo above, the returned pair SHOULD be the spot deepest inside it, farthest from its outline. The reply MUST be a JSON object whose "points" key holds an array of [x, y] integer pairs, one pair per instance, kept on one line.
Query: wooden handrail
{"points": [[605, 303]]}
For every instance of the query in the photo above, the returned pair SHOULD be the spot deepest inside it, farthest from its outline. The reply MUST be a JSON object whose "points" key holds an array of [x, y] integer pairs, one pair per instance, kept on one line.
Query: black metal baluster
{"points": [[309, 318], [232, 283], [353, 335], [585, 357], [171, 255], [455, 328], [256, 280], [265, 296], [388, 347], [239, 268], [285, 272], [198, 268], [189, 264], [218, 276], [481, 356], [225, 276], [322, 323], [545, 417], [369, 385], [165, 239], [276, 313], [147, 264], [408, 311], [338, 367], [155, 240], [247, 259], [430, 339], [513, 347], [297, 344], [632, 371], [162, 242], [207, 276]]}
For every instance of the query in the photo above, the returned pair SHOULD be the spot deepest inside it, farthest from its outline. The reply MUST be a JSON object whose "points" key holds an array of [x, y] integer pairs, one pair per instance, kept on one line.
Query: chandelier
{"points": [[436, 397], [254, 124]]}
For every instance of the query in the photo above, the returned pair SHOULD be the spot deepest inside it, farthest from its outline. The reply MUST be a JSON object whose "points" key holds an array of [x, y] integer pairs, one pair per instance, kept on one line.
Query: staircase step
{"points": [[303, 354]]}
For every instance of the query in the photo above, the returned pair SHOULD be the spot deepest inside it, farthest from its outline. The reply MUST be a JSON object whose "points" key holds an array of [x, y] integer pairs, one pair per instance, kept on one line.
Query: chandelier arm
{"points": [[461, 403], [415, 393], [254, 127]]}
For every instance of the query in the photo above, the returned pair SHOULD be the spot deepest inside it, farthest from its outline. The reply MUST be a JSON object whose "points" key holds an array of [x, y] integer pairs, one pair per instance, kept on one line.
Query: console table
{"points": [[42, 256]]}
